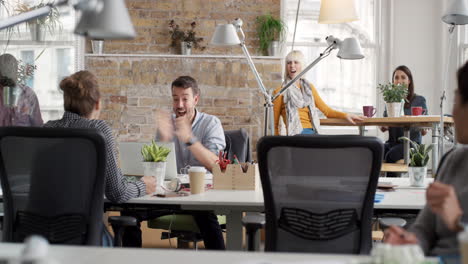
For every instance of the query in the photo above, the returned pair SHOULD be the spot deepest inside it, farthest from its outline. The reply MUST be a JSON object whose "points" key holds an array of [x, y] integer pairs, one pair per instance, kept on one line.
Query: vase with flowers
{"points": [[186, 40], [11, 88]]}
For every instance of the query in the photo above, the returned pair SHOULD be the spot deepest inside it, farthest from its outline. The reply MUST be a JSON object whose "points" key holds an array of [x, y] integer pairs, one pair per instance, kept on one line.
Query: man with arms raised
{"points": [[198, 137]]}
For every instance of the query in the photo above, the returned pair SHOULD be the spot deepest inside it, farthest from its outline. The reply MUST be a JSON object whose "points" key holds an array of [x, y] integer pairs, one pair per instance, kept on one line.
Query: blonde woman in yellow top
{"points": [[299, 104]]}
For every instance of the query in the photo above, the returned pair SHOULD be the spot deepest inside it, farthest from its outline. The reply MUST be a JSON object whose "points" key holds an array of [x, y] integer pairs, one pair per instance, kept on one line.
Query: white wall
{"points": [[419, 40]]}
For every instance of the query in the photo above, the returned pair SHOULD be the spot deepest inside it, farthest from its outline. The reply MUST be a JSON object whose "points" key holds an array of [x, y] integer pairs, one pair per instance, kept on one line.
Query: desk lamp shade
{"points": [[225, 35], [350, 50], [113, 22], [337, 11], [457, 13]]}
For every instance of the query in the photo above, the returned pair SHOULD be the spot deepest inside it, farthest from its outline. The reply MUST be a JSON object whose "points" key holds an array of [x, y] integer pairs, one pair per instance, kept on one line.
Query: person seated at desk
{"points": [[82, 105], [27, 112], [436, 226], [298, 104], [198, 137], [394, 146]]}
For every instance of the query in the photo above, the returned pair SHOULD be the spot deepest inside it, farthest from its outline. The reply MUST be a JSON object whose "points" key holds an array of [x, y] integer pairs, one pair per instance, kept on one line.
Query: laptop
{"points": [[131, 159]]}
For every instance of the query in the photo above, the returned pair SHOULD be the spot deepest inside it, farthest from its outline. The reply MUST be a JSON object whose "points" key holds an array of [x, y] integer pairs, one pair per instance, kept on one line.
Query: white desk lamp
{"points": [[100, 19], [226, 35], [456, 14]]}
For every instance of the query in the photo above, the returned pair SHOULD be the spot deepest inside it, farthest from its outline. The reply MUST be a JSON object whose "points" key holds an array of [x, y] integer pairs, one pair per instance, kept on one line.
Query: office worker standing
{"points": [[436, 226], [198, 137], [394, 146], [27, 111], [82, 107], [299, 104]]}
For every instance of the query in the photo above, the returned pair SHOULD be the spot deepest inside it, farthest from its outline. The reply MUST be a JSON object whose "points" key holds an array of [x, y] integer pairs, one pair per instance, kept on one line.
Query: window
{"points": [[27, 57], [52, 48], [343, 84]]}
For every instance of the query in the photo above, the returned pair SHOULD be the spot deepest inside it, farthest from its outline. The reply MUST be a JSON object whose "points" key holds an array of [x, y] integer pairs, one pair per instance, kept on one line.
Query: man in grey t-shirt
{"points": [[198, 136]]}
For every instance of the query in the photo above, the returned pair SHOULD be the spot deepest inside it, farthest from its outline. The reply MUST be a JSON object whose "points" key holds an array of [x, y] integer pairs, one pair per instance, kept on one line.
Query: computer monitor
{"points": [[131, 159]]}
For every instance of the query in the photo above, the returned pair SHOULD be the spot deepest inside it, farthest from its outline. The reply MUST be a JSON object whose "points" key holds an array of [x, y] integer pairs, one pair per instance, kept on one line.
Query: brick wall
{"points": [[135, 75], [151, 19], [134, 87]]}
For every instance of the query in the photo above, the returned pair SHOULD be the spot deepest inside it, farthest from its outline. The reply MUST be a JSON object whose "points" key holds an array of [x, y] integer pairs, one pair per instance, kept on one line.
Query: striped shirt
{"points": [[117, 189]]}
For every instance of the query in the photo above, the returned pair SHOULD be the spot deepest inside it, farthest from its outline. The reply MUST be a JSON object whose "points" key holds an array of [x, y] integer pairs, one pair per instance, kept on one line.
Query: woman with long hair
{"points": [[299, 104], [394, 146]]}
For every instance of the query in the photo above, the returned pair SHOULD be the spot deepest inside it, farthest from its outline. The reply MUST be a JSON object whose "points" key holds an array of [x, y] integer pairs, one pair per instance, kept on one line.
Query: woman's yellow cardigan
{"points": [[279, 109]]}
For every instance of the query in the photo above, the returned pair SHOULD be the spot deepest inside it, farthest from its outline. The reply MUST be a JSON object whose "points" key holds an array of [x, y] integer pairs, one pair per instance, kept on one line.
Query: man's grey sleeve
{"points": [[424, 228], [214, 138]]}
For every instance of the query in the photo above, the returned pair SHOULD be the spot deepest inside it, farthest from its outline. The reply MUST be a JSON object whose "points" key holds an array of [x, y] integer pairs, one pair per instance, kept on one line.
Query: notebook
{"points": [[131, 159]]}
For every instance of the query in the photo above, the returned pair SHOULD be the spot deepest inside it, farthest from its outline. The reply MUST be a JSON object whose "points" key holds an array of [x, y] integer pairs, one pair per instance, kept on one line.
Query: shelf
{"points": [[37, 43], [198, 56]]}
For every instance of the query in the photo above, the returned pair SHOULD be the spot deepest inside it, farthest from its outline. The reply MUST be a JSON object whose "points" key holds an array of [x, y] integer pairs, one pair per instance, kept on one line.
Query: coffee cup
{"points": [[369, 110], [197, 179], [417, 110], [463, 246]]}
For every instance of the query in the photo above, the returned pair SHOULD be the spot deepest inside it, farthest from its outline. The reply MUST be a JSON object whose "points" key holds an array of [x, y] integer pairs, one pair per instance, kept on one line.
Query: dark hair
{"points": [[411, 93], [462, 79], [186, 82], [80, 93]]}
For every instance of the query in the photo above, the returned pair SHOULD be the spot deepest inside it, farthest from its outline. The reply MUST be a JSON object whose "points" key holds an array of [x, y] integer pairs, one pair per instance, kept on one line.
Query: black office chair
{"points": [[319, 192], [53, 184], [238, 143]]}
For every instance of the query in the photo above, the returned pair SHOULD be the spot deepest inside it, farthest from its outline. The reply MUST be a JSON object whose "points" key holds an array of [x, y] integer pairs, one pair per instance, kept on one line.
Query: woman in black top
{"points": [[394, 146], [82, 108]]}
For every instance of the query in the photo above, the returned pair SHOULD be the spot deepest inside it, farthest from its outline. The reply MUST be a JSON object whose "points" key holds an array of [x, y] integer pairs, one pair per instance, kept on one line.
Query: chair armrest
{"points": [[122, 221]]}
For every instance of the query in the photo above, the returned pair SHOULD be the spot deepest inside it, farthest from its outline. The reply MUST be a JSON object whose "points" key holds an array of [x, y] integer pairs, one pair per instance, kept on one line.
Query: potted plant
{"points": [[39, 25], [154, 162], [394, 97], [270, 31], [419, 157], [186, 40]]}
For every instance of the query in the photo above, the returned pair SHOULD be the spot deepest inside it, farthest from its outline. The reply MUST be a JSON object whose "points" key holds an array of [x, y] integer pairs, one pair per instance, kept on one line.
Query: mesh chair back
{"points": [[238, 143], [319, 192], [53, 184]]}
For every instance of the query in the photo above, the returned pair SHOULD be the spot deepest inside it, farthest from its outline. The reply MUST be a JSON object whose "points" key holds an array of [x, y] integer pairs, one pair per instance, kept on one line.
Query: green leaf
{"points": [[154, 153]]}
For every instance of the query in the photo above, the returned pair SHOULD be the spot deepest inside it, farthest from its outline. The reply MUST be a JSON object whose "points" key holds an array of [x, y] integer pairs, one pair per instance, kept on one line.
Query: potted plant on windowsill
{"points": [[270, 32], [154, 163], [39, 26], [419, 157], [186, 40], [394, 97]]}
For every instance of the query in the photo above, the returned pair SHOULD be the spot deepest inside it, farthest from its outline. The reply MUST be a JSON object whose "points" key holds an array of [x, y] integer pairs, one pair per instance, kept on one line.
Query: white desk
{"points": [[406, 122], [92, 255], [234, 203], [404, 197]]}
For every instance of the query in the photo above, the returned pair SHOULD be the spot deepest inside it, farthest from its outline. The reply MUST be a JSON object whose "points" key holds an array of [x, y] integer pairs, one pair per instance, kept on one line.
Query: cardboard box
{"points": [[235, 179]]}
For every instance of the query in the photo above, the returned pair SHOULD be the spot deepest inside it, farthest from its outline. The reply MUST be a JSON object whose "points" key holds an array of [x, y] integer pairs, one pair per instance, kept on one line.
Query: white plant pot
{"points": [[37, 32], [97, 46], [274, 49], [186, 48], [394, 109], [158, 170], [417, 176]]}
